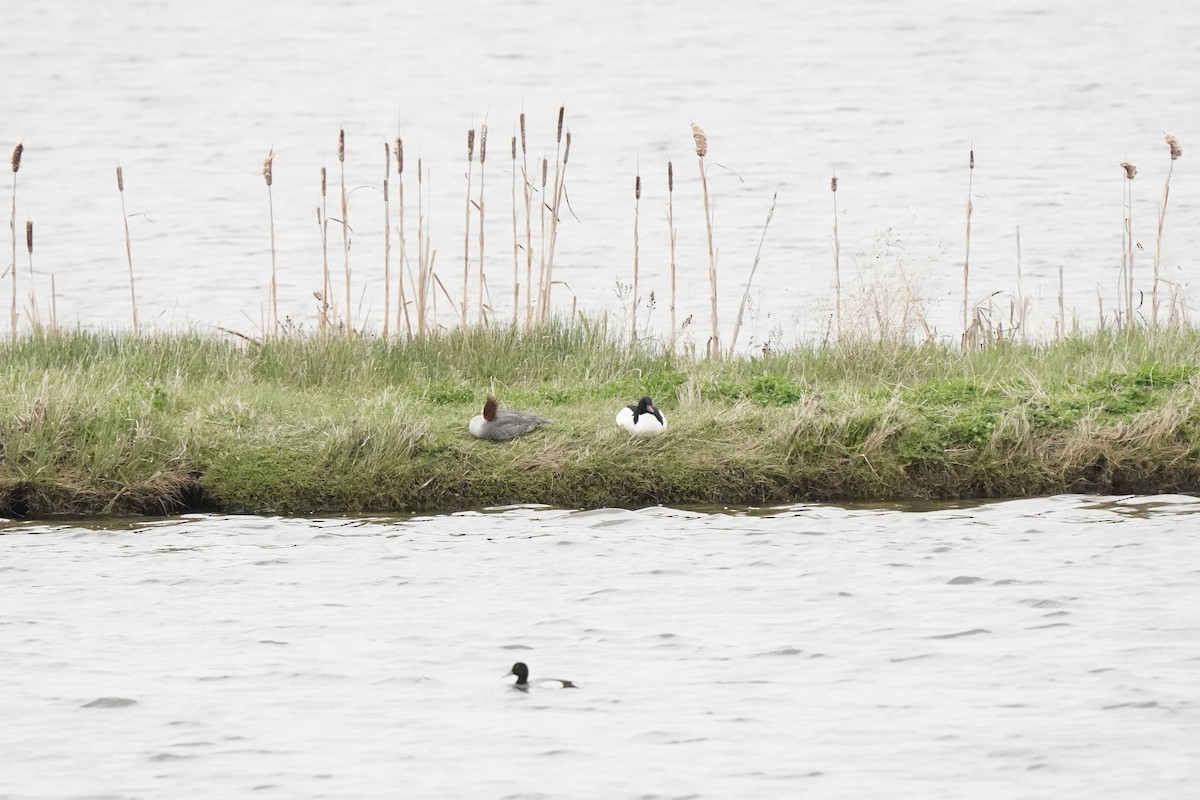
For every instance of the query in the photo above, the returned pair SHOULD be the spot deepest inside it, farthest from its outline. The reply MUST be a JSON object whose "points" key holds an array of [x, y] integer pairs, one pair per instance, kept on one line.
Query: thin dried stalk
{"points": [[516, 299], [128, 250], [34, 316], [527, 190], [1127, 236], [714, 342], [12, 224], [1176, 152], [326, 284], [560, 168], [402, 306], [671, 227], [754, 268], [268, 161], [482, 166], [633, 303], [345, 231], [387, 245], [466, 287], [967, 257], [837, 259]]}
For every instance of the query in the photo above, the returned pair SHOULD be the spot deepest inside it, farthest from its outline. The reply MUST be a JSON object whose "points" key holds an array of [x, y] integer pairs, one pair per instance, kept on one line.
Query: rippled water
{"points": [[890, 95], [1039, 648]]}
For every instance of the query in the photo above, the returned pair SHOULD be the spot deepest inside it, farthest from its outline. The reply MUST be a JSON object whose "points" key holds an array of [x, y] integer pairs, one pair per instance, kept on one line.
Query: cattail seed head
{"points": [[1173, 143], [471, 145], [322, 181], [268, 159], [482, 143], [522, 132], [971, 164], [637, 188], [545, 165], [701, 140], [670, 177], [120, 179], [561, 110], [29, 235], [833, 184], [341, 145], [1130, 170], [567, 149], [16, 157], [399, 150], [514, 148], [387, 160]]}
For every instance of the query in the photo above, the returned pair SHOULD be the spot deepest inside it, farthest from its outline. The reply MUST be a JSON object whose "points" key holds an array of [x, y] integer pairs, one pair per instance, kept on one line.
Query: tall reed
{"points": [[326, 284], [466, 287], [701, 140], [633, 302], [1176, 152], [35, 316], [268, 161], [53, 305], [482, 169], [837, 260], [387, 244], [128, 250], [12, 224], [527, 191], [737, 325], [671, 227], [402, 299], [1127, 239], [966, 304], [542, 207], [563, 149], [516, 281], [341, 153]]}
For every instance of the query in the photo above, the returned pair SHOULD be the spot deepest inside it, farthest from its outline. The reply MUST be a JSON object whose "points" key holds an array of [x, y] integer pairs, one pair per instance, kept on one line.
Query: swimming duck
{"points": [[642, 418], [522, 672], [498, 425]]}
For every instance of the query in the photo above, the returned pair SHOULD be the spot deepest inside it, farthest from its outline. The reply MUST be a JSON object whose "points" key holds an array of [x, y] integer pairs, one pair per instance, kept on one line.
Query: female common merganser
{"points": [[522, 672], [498, 425], [642, 418]]}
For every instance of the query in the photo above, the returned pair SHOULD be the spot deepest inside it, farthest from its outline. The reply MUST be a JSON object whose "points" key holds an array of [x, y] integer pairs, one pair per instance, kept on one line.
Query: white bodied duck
{"points": [[642, 418], [522, 672], [498, 425]]}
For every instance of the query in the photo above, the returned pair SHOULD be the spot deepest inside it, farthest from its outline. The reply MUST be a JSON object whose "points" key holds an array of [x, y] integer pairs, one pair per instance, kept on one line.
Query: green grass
{"points": [[94, 423]]}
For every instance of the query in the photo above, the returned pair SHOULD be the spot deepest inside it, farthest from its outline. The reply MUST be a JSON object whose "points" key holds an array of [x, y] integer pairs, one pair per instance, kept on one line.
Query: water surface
{"points": [[1035, 648]]}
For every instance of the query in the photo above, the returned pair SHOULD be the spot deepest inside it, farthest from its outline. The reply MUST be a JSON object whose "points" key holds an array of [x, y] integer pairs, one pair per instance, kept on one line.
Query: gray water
{"points": [[892, 95], [1037, 648]]}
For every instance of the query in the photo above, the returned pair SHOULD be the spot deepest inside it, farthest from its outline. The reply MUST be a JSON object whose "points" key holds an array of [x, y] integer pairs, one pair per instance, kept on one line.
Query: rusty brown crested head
{"points": [[490, 407], [268, 160], [1130, 170], [16, 157], [1173, 143], [701, 140]]}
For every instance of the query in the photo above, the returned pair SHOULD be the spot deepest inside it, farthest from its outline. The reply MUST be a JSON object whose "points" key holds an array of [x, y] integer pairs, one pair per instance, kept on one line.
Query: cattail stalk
{"points": [[341, 152], [967, 256], [1176, 152], [53, 305], [12, 224], [633, 303], [516, 298], [128, 250], [542, 240], [671, 227], [527, 190], [837, 259], [714, 343], [268, 161], [424, 262], [326, 283], [467, 229], [482, 163], [560, 169], [387, 244], [1127, 237], [402, 300], [34, 315]]}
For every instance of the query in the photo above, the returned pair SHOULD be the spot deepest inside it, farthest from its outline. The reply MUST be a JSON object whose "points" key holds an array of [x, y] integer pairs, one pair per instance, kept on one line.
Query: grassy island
{"points": [[112, 423]]}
